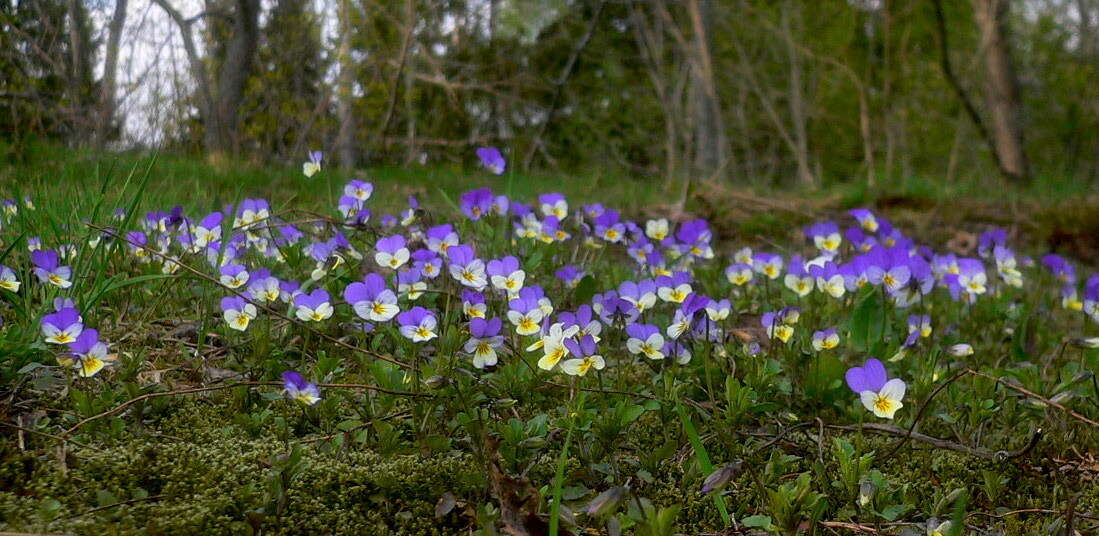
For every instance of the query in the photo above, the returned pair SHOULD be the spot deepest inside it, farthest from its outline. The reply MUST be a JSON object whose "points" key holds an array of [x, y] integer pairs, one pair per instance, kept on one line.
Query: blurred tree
{"points": [[287, 98]]}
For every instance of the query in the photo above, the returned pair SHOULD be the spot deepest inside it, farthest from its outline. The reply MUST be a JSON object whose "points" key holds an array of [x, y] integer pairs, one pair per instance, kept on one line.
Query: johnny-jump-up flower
{"points": [[646, 340], [63, 326], [8, 280], [296, 388], [879, 394], [313, 165], [371, 300], [826, 339], [418, 324], [492, 160], [87, 354], [484, 340], [553, 345], [237, 312], [391, 252], [584, 356], [506, 275], [48, 269], [313, 307]]}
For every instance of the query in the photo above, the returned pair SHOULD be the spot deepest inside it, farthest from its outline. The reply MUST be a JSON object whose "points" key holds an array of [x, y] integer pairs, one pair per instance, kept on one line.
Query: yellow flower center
{"points": [[883, 404]]}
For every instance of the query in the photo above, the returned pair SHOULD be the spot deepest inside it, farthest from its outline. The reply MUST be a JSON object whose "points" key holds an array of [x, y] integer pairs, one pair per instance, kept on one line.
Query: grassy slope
{"points": [[214, 469]]}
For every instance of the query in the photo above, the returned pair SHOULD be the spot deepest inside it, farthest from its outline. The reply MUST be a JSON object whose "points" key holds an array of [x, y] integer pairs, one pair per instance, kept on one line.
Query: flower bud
{"points": [[722, 476], [605, 502], [866, 492], [960, 350], [1086, 342]]}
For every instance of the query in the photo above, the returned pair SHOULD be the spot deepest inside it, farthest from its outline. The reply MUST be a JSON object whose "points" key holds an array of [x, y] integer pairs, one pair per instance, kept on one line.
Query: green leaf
{"points": [[759, 522], [631, 414], [892, 512], [113, 286], [867, 321], [703, 458], [31, 367], [585, 289]]}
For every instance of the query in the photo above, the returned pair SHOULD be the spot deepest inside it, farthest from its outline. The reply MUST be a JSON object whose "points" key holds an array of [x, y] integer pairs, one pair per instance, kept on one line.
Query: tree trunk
{"points": [[796, 100], [79, 76], [221, 127], [711, 145], [1001, 89], [107, 103], [346, 153]]}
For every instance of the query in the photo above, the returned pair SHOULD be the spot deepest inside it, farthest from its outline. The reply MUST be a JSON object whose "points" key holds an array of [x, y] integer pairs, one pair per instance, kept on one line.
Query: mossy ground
{"points": [[187, 472], [212, 464]]}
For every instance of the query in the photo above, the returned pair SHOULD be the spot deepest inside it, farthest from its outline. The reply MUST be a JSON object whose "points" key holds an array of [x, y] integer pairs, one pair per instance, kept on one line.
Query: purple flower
{"points": [[612, 309], [776, 327], [314, 306], [87, 354], [500, 205], [525, 314], [920, 324], [1061, 269], [288, 290], [297, 388], [392, 252], [506, 275], [476, 203], [878, 393], [584, 357], [990, 240], [465, 268], [674, 288], [492, 160], [264, 289], [645, 339], [62, 327], [8, 279], [417, 324], [677, 351], [825, 339], [584, 321], [410, 282], [48, 269], [234, 275], [427, 262], [554, 204], [869, 377], [371, 300], [440, 239], [358, 190], [238, 313], [484, 340], [768, 264], [570, 275], [865, 218], [739, 274], [718, 310], [826, 236], [251, 211], [311, 167], [473, 304]]}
